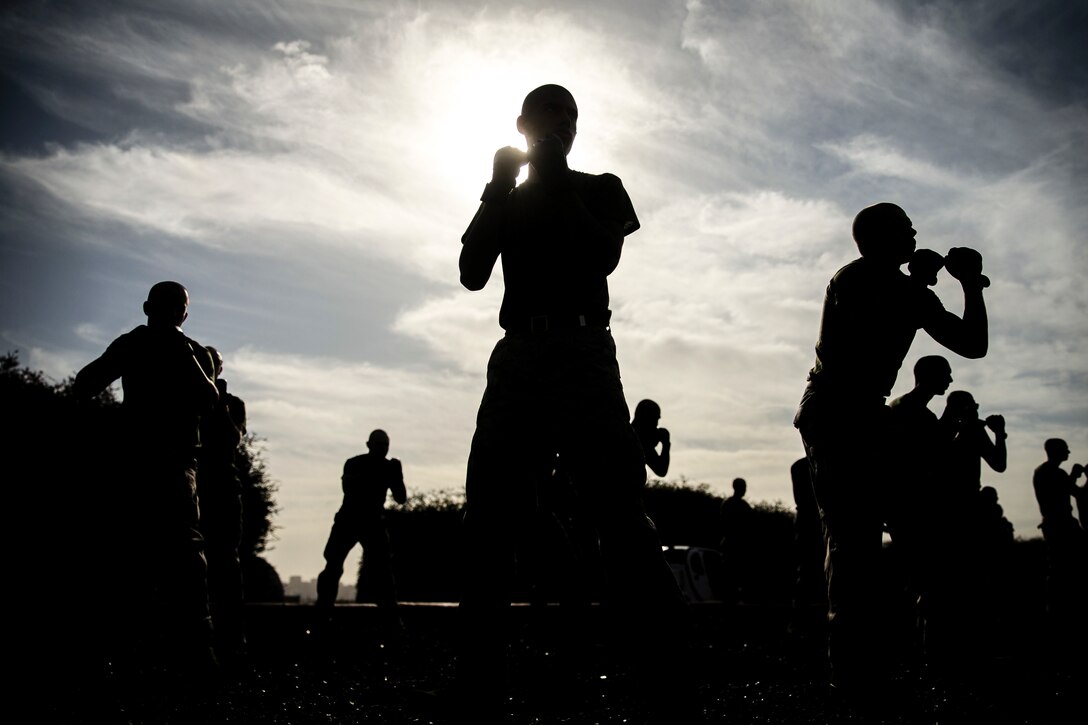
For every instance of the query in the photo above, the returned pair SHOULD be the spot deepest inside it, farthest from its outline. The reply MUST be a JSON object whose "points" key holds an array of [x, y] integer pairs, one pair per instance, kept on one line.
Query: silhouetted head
{"points": [[960, 406], [933, 374], [647, 413], [884, 233], [378, 443], [167, 304], [217, 359], [740, 487], [1057, 450], [988, 495], [549, 110]]}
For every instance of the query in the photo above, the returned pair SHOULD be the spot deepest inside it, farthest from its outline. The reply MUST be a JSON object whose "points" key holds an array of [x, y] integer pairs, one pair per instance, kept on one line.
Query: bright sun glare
{"points": [[477, 102]]}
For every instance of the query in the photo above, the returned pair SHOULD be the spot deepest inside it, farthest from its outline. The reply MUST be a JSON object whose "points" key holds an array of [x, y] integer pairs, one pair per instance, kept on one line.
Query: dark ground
{"points": [[745, 668]]}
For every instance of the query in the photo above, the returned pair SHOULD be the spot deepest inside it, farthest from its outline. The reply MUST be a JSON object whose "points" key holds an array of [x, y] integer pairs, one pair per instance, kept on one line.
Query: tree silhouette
{"points": [[63, 449]]}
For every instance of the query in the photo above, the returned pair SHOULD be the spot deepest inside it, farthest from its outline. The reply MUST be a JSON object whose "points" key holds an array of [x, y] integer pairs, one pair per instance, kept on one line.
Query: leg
{"points": [[377, 569], [341, 540], [648, 613], [221, 523], [843, 456], [507, 448]]}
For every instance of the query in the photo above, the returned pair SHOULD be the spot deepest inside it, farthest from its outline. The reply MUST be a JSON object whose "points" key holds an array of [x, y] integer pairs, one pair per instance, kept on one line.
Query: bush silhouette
{"points": [[66, 451]]}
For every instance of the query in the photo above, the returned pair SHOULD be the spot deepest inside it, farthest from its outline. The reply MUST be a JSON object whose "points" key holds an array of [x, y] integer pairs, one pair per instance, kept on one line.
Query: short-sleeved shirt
{"points": [[160, 413], [870, 317], [366, 481], [549, 266], [1054, 491]]}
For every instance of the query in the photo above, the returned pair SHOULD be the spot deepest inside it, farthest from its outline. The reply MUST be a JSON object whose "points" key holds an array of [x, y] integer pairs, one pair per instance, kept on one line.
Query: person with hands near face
{"points": [[158, 553], [966, 444], [871, 314], [651, 436], [553, 390], [1066, 550]]}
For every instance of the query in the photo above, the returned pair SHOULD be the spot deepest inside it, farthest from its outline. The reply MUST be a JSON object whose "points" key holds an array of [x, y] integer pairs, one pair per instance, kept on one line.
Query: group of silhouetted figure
{"points": [[556, 456], [176, 545], [895, 467]]}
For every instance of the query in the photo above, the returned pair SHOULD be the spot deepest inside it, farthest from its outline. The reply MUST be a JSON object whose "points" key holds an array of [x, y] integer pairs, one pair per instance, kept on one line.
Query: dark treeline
{"points": [[66, 452], [425, 533]]}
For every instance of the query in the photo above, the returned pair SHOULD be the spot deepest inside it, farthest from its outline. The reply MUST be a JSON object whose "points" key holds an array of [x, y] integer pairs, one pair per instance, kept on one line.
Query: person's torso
{"points": [[367, 479], [545, 259], [869, 320], [157, 404], [1052, 493]]}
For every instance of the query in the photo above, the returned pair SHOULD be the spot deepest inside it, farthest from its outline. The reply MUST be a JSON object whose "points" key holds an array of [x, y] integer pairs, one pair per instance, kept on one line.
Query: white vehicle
{"points": [[695, 569]]}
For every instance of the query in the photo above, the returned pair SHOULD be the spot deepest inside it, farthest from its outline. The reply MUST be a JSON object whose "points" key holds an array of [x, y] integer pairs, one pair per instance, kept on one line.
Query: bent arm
{"points": [[967, 336], [995, 453], [659, 462], [97, 375], [481, 245], [396, 487], [201, 387]]}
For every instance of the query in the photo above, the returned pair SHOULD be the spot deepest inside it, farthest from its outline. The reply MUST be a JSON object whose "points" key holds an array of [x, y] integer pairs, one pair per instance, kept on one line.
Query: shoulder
{"points": [[604, 180], [606, 197], [851, 275], [605, 186], [135, 335]]}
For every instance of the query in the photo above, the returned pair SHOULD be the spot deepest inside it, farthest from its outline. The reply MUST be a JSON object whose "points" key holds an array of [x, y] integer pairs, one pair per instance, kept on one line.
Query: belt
{"points": [[538, 324]]}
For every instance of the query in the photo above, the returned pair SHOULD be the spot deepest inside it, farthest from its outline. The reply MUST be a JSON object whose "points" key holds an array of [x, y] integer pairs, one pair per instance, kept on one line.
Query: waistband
{"points": [[540, 324]]}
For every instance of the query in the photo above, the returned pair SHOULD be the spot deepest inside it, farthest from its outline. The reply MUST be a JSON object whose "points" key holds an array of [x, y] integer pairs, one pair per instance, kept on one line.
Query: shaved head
{"points": [[167, 303], [533, 98]]}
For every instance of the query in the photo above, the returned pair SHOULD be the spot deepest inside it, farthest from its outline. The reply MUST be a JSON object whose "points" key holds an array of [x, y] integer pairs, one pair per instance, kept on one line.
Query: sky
{"points": [[307, 169]]}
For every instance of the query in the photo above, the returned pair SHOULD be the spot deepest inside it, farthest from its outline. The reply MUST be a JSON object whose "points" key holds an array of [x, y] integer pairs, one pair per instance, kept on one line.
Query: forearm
{"points": [[997, 455], [201, 386], [481, 245], [975, 323], [95, 377]]}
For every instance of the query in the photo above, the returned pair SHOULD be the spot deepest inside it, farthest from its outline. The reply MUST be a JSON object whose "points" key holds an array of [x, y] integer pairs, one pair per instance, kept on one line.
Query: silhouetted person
{"points": [[163, 597], [809, 547], [735, 542], [996, 539], [871, 313], [916, 515], [1066, 547], [995, 527], [220, 495], [367, 480], [553, 387], [968, 445], [650, 435]]}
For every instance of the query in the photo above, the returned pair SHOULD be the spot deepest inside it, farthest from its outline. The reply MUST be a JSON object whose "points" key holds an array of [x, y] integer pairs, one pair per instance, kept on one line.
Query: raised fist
{"points": [[507, 164], [965, 264], [925, 264], [996, 423]]}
